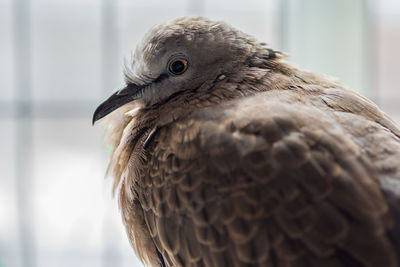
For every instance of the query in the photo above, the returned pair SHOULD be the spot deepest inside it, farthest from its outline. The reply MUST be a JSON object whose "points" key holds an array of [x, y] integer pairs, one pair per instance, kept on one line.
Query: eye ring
{"points": [[178, 66]]}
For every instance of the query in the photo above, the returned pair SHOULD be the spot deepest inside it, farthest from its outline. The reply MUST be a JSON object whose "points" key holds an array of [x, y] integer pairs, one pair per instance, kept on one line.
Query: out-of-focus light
{"points": [[70, 199]]}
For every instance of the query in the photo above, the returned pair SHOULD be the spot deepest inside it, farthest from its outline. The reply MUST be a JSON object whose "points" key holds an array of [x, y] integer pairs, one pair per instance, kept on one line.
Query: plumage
{"points": [[247, 160]]}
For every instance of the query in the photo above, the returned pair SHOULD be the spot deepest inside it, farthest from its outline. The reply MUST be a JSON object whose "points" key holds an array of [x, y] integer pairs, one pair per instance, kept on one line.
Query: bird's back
{"points": [[269, 180]]}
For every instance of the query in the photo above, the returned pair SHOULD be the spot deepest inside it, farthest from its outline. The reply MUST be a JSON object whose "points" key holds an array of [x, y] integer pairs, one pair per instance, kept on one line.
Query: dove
{"points": [[225, 154]]}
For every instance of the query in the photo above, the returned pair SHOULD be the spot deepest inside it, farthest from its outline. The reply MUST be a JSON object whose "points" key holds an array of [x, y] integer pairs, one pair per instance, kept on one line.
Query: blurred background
{"points": [[60, 58]]}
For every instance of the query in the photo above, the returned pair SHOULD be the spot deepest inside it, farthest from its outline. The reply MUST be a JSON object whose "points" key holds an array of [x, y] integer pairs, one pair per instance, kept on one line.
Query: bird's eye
{"points": [[178, 66]]}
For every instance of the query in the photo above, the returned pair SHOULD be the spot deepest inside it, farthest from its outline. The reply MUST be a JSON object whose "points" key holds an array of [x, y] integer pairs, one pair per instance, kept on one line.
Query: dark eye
{"points": [[178, 66]]}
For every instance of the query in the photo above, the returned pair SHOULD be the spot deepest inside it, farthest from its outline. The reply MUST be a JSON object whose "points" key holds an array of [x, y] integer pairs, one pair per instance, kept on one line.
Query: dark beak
{"points": [[120, 98]]}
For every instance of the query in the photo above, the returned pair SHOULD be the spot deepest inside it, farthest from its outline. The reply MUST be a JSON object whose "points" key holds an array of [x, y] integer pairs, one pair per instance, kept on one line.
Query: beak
{"points": [[118, 99]]}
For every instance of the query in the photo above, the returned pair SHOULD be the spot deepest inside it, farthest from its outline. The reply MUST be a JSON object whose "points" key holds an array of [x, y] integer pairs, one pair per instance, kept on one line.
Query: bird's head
{"points": [[178, 56]]}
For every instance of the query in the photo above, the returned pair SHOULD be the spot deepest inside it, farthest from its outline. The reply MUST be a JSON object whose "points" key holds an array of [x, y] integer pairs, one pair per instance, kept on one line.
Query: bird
{"points": [[226, 154]]}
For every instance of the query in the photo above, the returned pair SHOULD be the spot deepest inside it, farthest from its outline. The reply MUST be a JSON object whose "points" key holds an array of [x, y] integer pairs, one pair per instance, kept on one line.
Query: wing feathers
{"points": [[285, 187]]}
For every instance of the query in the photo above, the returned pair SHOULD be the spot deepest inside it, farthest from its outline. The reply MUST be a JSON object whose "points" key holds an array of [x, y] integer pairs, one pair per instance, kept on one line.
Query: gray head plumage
{"points": [[210, 48]]}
